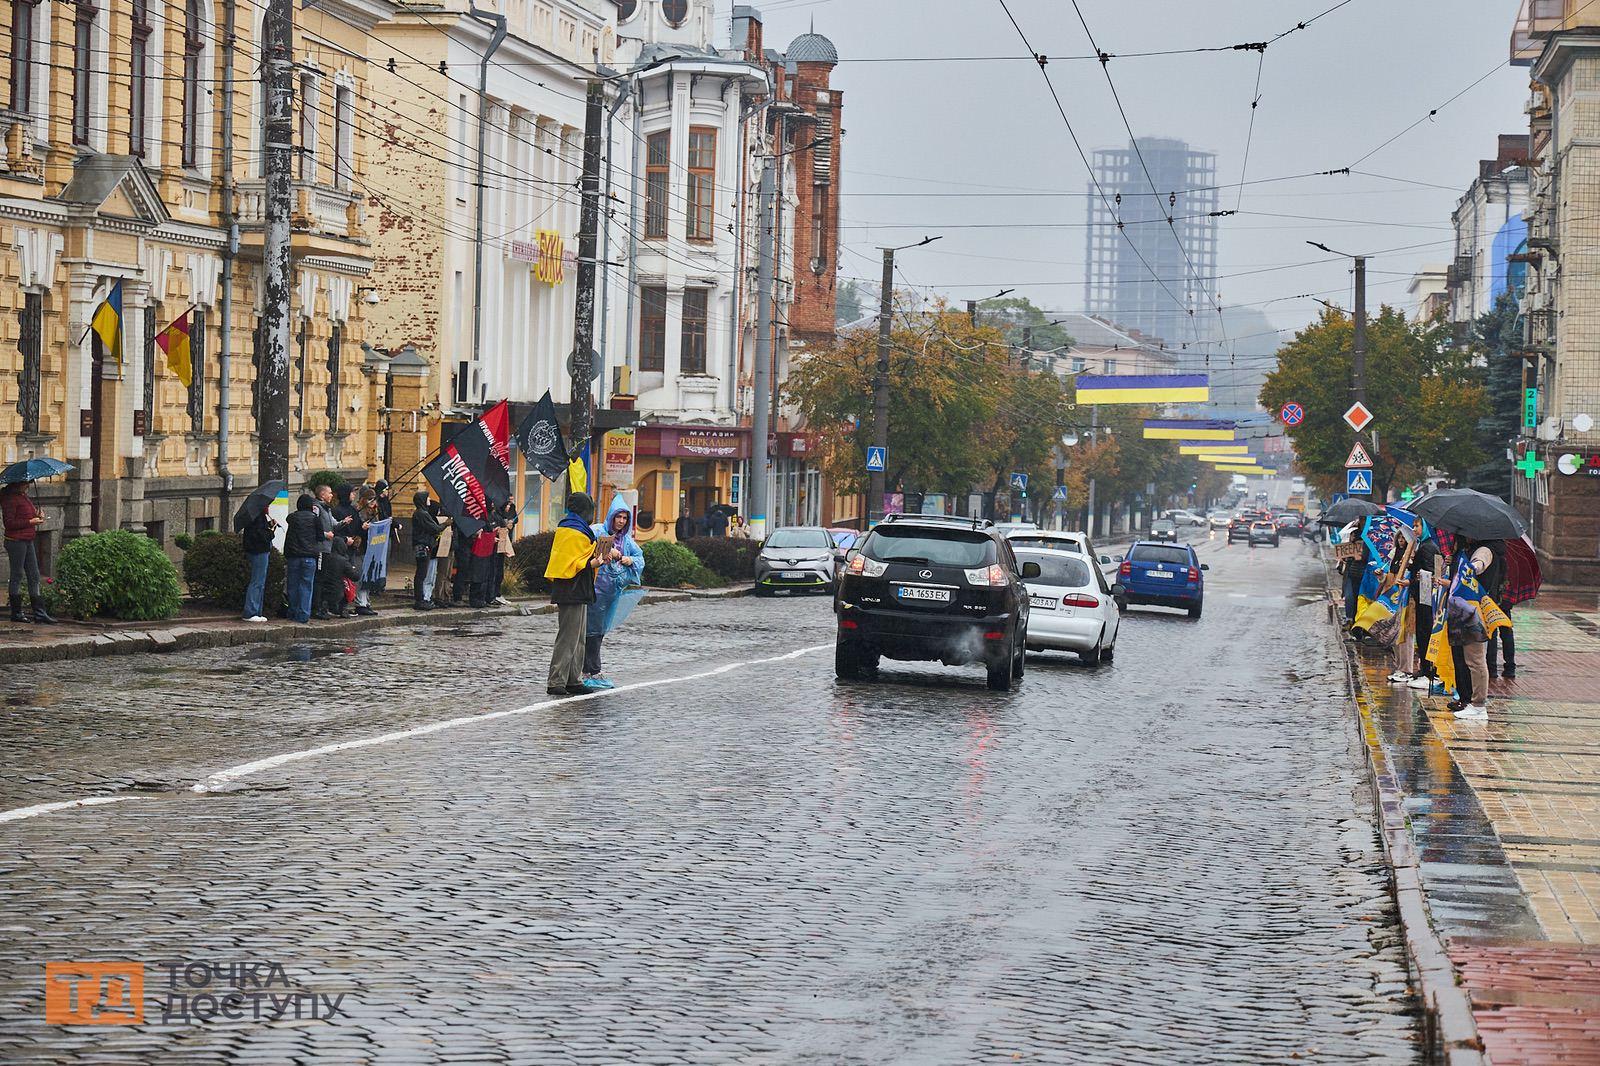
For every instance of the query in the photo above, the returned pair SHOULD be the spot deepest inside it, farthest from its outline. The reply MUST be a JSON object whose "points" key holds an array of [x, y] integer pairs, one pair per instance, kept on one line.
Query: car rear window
{"points": [[935, 547], [1046, 542], [1054, 570], [799, 538], [1159, 553]]}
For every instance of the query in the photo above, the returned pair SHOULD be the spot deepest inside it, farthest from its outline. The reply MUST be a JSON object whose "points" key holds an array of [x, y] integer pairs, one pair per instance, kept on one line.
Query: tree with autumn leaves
{"points": [[1425, 394]]}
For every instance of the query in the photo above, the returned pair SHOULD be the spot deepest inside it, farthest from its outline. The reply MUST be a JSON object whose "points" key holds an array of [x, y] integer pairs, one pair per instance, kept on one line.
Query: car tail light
{"points": [[849, 623], [1125, 570], [993, 574], [1194, 575], [995, 634], [861, 566], [1079, 600]]}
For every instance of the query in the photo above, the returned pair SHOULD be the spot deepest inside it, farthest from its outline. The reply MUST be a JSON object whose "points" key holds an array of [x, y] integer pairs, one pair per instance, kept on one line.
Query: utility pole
{"points": [[588, 267], [230, 249], [499, 35], [760, 417], [1358, 349], [880, 388], [273, 450]]}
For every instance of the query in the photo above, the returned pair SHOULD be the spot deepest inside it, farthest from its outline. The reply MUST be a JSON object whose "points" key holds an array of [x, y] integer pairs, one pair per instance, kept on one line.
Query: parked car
{"points": [[1264, 531], [1071, 607], [795, 559], [1164, 529], [1183, 519], [1164, 575], [927, 588]]}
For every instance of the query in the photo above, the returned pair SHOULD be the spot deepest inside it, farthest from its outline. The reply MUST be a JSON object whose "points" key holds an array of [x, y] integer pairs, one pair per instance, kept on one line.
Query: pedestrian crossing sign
{"points": [[1019, 480], [877, 459], [1358, 482], [1061, 494]]}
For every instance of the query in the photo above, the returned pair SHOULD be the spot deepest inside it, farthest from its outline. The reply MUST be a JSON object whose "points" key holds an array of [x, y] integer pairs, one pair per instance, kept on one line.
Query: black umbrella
{"points": [[1471, 514], [1348, 510], [257, 502]]}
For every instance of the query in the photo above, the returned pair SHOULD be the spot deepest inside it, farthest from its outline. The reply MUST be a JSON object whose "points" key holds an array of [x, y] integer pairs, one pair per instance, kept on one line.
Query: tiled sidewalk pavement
{"points": [[1506, 817]]}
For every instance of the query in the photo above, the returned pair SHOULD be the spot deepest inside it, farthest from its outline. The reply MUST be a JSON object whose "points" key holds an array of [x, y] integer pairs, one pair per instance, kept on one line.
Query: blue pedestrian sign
{"points": [[1019, 480], [1061, 494], [1358, 482], [877, 459]]}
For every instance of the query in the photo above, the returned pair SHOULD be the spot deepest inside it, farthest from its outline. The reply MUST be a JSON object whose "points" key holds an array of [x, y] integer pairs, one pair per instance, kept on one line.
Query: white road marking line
{"points": [[20, 813], [223, 777]]}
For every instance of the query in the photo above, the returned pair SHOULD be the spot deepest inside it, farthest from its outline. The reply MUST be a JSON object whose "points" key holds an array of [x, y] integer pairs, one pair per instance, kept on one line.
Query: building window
{"points": [[656, 179], [152, 315], [653, 329], [693, 348], [344, 120], [676, 11], [30, 345], [626, 9], [193, 42], [22, 43], [197, 363], [300, 386], [1111, 366], [702, 190], [335, 346], [309, 100], [83, 70], [138, 76]]}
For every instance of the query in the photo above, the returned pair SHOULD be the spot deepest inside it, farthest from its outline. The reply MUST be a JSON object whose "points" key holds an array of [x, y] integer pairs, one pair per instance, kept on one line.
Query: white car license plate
{"points": [[1042, 601], [931, 595], [1167, 574], [793, 575]]}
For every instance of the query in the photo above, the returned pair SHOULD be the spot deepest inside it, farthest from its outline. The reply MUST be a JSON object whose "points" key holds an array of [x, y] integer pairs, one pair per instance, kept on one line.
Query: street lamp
{"points": [[880, 384]]}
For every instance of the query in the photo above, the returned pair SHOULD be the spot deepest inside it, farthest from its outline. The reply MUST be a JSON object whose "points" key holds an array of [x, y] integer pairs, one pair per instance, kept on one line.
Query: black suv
{"points": [[933, 589]]}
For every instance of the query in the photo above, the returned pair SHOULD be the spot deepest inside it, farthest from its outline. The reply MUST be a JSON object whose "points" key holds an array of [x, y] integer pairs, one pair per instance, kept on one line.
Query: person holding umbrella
{"points": [[255, 527], [22, 519]]}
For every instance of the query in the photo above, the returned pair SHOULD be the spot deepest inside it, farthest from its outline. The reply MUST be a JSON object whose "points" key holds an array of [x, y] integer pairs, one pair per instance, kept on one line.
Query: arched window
{"points": [[676, 11], [626, 9], [138, 76], [193, 43], [83, 70]]}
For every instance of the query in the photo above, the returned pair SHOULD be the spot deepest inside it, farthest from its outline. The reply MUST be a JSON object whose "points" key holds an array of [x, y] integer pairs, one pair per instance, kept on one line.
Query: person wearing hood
{"points": [[571, 571], [425, 531], [300, 542], [22, 522], [623, 569]]}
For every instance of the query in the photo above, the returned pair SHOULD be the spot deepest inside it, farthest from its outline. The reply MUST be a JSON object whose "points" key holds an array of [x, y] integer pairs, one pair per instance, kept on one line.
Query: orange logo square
{"points": [[94, 993]]}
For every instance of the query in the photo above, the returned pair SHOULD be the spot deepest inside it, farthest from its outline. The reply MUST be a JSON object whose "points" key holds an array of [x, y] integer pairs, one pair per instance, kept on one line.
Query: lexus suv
{"points": [[933, 589]]}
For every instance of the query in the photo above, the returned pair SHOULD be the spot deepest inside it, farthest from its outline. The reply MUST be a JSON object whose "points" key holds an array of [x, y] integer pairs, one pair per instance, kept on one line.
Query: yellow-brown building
{"points": [[113, 167]]}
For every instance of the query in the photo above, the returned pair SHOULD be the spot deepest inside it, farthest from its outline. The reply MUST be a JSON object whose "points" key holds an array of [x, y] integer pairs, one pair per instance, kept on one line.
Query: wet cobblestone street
{"points": [[1169, 858]]}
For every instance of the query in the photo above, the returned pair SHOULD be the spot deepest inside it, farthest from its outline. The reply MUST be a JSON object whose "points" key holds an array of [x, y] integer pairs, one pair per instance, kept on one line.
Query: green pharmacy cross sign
{"points": [[1530, 465], [1530, 409]]}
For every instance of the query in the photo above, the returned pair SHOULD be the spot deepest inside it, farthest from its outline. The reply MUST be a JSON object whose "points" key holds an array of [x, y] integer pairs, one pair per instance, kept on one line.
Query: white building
{"points": [[1489, 228]]}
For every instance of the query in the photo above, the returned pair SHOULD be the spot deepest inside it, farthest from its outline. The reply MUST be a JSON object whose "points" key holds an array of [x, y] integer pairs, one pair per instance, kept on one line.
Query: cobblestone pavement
{"points": [[1165, 859], [1507, 816]]}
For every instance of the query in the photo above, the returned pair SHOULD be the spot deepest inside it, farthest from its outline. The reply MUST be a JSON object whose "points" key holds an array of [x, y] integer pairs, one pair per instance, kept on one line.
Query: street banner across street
{"points": [[1143, 388], [1190, 429]]}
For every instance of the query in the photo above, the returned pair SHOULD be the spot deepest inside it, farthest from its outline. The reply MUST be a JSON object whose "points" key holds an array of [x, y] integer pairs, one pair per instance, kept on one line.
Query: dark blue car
{"points": [[1163, 575]]}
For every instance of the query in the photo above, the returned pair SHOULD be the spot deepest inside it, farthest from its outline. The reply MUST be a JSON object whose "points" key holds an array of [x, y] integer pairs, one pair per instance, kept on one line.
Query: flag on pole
{"points": [[107, 322], [471, 473], [538, 438], [578, 471], [174, 342], [1143, 388]]}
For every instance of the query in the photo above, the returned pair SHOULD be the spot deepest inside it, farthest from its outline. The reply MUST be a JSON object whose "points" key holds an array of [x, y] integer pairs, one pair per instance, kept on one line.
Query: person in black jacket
{"points": [[300, 554], [257, 538], [1502, 642], [425, 530]]}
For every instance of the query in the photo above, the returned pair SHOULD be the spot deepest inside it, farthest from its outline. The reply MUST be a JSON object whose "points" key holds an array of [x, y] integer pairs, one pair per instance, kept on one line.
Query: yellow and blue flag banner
{"points": [[1187, 429], [571, 549], [107, 322], [175, 342], [1143, 388], [1200, 447], [1240, 468], [1229, 460]]}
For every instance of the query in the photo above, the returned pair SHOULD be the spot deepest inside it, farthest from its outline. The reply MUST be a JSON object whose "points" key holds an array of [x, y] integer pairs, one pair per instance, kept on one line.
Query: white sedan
{"points": [[1071, 606]]}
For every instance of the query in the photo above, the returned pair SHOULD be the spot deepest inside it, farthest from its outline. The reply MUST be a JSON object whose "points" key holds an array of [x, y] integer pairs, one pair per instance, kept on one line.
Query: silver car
{"points": [[795, 559]]}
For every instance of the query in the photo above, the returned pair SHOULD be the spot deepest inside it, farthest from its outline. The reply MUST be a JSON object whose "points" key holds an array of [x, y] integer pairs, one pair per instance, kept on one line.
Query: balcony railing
{"points": [[316, 208], [1535, 21]]}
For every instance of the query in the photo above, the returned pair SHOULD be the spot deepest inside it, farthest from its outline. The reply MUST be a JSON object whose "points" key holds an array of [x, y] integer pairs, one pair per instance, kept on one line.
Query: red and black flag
{"points": [[472, 473]]}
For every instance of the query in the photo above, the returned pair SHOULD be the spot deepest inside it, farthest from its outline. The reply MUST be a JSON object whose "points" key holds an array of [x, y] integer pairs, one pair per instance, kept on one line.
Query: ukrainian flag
{"points": [[1187, 429], [1230, 460], [1141, 388], [1237, 468], [107, 322], [1200, 447]]}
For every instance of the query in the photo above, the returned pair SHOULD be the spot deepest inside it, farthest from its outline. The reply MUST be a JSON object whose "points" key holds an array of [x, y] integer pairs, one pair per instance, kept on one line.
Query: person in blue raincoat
{"points": [[623, 570]]}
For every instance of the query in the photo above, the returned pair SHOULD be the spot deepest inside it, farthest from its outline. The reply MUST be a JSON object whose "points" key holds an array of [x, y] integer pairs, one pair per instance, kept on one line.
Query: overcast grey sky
{"points": [[1329, 94]]}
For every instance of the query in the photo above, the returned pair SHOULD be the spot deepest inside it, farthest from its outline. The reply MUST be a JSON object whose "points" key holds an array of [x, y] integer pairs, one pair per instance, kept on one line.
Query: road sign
{"points": [[1358, 482], [1358, 417], [1358, 457], [1530, 408], [1019, 480], [1061, 494], [1292, 414], [877, 459]]}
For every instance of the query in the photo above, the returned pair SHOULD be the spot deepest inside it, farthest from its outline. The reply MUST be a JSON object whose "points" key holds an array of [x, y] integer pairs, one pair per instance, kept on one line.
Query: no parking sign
{"points": [[1292, 414]]}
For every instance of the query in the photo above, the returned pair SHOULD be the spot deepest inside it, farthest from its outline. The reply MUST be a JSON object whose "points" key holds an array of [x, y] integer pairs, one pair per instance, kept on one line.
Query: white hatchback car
{"points": [[1071, 606]]}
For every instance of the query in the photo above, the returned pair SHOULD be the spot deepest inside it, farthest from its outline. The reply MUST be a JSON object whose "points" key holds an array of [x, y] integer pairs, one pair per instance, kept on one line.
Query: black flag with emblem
{"points": [[539, 439]]}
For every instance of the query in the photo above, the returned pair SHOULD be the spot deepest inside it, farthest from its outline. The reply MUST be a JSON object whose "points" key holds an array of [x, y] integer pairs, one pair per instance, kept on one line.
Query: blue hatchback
{"points": [[1163, 575]]}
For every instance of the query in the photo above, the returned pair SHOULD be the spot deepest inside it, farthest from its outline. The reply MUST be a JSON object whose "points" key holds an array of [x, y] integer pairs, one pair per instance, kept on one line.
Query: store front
{"points": [[685, 469]]}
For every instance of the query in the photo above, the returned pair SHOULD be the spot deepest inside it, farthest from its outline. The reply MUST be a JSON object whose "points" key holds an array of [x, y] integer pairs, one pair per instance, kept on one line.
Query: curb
{"points": [[1449, 1030]]}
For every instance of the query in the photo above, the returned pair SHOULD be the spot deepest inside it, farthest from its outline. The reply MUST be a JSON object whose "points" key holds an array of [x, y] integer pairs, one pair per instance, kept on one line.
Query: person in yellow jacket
{"points": [[573, 560]]}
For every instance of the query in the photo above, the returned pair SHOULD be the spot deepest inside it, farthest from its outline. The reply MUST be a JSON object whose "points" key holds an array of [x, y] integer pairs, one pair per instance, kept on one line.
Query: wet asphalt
{"points": [[1169, 858]]}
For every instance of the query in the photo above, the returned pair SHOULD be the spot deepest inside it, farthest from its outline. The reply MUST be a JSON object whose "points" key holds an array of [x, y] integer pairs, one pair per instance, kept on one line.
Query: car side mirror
{"points": [[1205, 566], [1105, 558], [1031, 570]]}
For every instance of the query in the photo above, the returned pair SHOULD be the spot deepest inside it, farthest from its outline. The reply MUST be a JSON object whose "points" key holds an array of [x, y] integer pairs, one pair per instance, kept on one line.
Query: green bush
{"points": [[728, 558], [668, 564], [331, 478], [533, 555], [217, 572], [183, 541], [117, 573]]}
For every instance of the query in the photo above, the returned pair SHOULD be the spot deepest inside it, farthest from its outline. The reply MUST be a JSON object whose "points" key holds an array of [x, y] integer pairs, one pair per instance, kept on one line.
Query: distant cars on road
{"points": [[1164, 529], [1264, 531], [1160, 574]]}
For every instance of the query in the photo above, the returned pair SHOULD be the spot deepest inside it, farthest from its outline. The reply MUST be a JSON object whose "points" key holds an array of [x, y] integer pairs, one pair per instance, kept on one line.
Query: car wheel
{"points": [[1194, 612], [1093, 656], [1108, 654], [1000, 675], [1020, 663], [847, 664]]}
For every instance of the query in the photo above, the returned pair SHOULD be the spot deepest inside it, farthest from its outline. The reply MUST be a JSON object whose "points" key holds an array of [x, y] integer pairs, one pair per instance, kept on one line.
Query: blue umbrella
{"points": [[33, 470]]}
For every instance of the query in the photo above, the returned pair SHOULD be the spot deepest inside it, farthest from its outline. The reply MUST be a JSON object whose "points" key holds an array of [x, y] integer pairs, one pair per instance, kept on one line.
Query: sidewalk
{"points": [[207, 627], [1501, 837]]}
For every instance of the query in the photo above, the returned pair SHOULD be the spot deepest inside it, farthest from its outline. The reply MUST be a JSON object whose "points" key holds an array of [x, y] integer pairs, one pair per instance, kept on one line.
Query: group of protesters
{"points": [[1442, 603]]}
